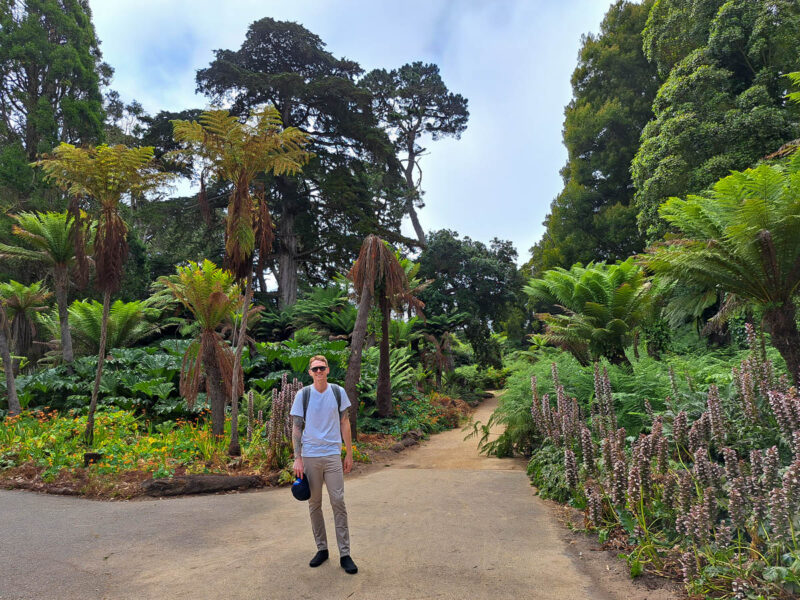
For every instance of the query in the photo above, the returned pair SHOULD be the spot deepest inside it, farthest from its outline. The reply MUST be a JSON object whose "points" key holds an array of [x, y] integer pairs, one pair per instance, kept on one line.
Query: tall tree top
{"points": [[50, 74], [413, 100], [283, 64]]}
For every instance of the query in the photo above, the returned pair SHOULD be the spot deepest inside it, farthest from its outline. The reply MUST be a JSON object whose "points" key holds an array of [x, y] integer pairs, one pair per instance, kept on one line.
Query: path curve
{"points": [[440, 521]]}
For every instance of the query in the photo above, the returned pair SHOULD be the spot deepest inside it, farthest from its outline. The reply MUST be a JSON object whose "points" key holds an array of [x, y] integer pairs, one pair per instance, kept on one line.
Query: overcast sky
{"points": [[512, 59]]}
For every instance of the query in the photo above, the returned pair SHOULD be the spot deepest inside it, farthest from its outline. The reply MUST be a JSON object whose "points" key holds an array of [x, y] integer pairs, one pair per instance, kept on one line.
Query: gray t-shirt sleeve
{"points": [[297, 405], [345, 401]]}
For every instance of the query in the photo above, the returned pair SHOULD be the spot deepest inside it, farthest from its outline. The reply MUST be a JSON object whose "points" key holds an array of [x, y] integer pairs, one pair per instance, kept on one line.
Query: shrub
{"points": [[546, 470], [718, 493]]}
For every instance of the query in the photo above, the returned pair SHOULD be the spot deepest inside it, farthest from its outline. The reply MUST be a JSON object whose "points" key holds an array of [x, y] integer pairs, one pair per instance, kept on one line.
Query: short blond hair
{"points": [[318, 357]]}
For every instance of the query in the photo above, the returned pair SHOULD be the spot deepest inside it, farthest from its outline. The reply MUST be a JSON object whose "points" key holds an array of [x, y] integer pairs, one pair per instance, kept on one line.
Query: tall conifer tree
{"points": [[50, 78], [613, 87]]}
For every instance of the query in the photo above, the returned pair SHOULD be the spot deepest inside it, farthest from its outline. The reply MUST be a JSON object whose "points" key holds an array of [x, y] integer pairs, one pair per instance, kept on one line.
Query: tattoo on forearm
{"points": [[297, 436], [345, 414]]}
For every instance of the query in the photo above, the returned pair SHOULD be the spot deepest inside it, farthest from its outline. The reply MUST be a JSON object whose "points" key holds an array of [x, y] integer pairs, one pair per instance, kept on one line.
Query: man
{"points": [[317, 434]]}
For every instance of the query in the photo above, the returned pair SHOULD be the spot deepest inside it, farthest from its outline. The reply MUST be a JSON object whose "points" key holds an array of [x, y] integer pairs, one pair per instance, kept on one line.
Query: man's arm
{"points": [[297, 444], [347, 438]]}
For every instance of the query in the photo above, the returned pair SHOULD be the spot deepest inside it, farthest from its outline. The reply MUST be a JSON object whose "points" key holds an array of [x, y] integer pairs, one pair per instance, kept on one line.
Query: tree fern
{"points": [[741, 239], [601, 306]]}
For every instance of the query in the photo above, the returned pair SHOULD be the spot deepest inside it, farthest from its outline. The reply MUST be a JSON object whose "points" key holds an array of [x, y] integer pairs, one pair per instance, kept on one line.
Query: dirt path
{"points": [[440, 521]]}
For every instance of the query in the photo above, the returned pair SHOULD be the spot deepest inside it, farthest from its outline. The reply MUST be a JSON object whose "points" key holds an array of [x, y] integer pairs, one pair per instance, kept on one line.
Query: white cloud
{"points": [[512, 59]]}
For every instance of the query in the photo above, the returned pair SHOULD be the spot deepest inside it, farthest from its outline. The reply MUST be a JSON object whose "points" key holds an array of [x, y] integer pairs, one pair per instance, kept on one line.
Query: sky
{"points": [[511, 59]]}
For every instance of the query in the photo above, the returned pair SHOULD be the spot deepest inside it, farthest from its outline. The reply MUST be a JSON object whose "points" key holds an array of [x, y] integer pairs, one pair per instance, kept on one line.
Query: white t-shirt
{"points": [[322, 435]]}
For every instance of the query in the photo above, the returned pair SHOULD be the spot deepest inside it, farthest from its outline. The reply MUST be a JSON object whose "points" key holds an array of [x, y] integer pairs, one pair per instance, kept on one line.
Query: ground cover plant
{"points": [[707, 485], [146, 429], [42, 447]]}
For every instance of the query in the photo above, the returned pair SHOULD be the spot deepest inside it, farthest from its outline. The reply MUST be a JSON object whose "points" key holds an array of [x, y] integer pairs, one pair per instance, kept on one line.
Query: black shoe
{"points": [[348, 565], [319, 558]]}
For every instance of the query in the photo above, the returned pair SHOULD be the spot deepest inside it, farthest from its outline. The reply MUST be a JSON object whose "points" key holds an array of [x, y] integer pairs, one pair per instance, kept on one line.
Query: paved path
{"points": [[440, 522]]}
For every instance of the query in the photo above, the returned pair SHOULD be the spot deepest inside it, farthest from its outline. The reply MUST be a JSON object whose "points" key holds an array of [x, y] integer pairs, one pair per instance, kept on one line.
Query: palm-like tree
{"points": [[438, 332], [5, 355], [105, 174], [128, 323], [213, 296], [50, 238], [742, 239], [22, 303], [602, 306], [237, 152], [376, 274]]}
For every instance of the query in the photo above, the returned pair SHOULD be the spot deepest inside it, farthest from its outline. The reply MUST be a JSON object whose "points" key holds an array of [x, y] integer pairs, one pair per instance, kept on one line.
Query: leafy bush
{"points": [[546, 470], [470, 382], [140, 379], [128, 324], [712, 484]]}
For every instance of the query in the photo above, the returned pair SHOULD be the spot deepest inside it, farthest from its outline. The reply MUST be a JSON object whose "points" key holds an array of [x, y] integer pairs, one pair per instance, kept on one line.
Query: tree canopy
{"points": [[722, 106], [469, 277], [346, 191], [50, 77], [741, 238], [613, 88], [411, 102]]}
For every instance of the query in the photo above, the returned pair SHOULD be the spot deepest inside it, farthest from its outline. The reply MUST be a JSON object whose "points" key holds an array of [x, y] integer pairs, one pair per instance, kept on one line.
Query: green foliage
{"points": [[139, 379], [402, 333], [401, 374], [325, 309], [546, 470], [649, 379], [469, 278], [22, 304], [722, 105], [351, 188], [128, 324], [53, 442], [275, 358], [648, 495], [471, 382], [795, 79], [47, 237], [65, 103], [236, 151], [741, 239], [613, 90], [412, 102], [602, 306]]}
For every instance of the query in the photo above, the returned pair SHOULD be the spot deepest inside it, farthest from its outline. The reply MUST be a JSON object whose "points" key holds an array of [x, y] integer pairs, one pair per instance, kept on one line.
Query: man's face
{"points": [[318, 371]]}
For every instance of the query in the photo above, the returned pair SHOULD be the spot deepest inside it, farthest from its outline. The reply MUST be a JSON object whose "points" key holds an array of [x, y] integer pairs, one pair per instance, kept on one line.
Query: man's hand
{"points": [[348, 461], [298, 466]]}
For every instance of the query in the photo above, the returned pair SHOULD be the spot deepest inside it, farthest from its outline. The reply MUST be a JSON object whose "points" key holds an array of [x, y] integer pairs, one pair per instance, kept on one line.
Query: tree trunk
{"points": [[5, 354], [262, 282], [412, 192], [287, 261], [356, 348], [215, 391], [62, 291], [384, 399], [101, 357], [782, 327], [234, 449], [412, 213]]}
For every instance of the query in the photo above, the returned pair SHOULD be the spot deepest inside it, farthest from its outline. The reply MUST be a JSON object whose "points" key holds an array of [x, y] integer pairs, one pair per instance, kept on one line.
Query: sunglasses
{"points": [[317, 369]]}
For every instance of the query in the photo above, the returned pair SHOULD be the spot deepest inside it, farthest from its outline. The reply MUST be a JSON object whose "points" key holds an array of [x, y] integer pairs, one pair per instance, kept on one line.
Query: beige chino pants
{"points": [[327, 469]]}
